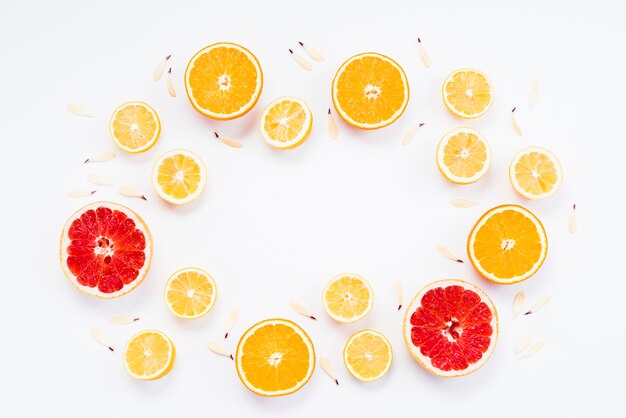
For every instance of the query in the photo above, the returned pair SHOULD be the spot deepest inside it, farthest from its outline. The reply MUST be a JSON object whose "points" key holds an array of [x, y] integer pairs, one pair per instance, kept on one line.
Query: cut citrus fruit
{"points": [[468, 93], [149, 355], [286, 122], [275, 357], [106, 249], [179, 176], [135, 127], [348, 297], [223, 81], [463, 155], [370, 91], [190, 293], [508, 244], [451, 328], [535, 173], [367, 355]]}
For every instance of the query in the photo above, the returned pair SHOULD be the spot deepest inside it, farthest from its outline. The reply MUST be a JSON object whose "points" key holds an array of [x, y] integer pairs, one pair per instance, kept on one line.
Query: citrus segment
{"points": [[135, 127], [275, 357], [190, 293], [149, 355], [463, 155], [223, 81], [370, 91], [451, 328], [508, 244], [367, 355], [468, 93], [106, 249], [535, 173], [179, 176], [348, 297], [286, 122]]}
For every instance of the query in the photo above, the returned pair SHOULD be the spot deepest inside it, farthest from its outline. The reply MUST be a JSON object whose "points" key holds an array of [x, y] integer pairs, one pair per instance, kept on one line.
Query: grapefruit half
{"points": [[106, 249], [451, 328]]}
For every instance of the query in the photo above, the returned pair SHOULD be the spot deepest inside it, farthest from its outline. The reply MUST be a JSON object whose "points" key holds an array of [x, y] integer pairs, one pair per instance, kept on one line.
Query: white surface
{"points": [[272, 226]]}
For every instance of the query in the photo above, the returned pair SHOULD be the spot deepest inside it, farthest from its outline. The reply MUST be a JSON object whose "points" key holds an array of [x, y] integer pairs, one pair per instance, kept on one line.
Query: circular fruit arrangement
{"points": [[190, 293], [223, 81], [370, 91], [535, 173], [451, 328], [367, 355], [135, 127], [286, 122], [467, 93], [348, 297], [463, 155], [508, 244], [149, 355], [275, 357], [179, 176], [106, 249]]}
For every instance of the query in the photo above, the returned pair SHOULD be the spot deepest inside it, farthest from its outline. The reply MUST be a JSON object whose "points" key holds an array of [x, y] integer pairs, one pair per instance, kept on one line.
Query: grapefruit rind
{"points": [[65, 242], [425, 361]]}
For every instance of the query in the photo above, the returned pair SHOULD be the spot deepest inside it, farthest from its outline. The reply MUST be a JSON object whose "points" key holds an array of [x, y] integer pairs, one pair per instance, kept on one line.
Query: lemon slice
{"points": [[348, 297], [286, 122], [463, 155], [367, 355], [179, 176], [190, 293], [135, 127], [468, 93], [149, 355], [535, 173]]}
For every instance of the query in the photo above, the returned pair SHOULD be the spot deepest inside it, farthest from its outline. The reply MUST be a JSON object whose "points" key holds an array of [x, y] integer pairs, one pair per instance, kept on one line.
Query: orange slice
{"points": [[286, 122], [135, 127], [468, 93], [367, 355], [149, 355], [508, 244], [535, 173], [275, 357], [190, 293], [179, 176], [223, 81], [370, 91], [348, 297], [463, 155]]}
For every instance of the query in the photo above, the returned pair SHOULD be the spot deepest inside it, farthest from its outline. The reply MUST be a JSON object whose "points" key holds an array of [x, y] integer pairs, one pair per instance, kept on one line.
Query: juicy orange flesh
{"points": [[370, 90], [179, 176], [284, 121], [147, 354], [464, 154], [275, 358], [134, 126], [508, 244], [368, 355], [347, 297], [468, 92], [223, 80], [190, 293], [536, 173]]}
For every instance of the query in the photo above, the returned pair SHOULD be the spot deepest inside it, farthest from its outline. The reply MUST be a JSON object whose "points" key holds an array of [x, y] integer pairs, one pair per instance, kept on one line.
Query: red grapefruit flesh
{"points": [[106, 249], [451, 328]]}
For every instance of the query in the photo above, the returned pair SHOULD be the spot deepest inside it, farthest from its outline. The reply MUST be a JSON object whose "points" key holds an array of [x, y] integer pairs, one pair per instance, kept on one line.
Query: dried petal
{"points": [[218, 348], [130, 192], [122, 320], [99, 180], [408, 137], [534, 349], [313, 53], [231, 321], [301, 310], [571, 222], [423, 54], [524, 342], [328, 369], [448, 254], [80, 193], [98, 158], [227, 141], [533, 93], [158, 72], [515, 123], [170, 83], [301, 61], [399, 294], [543, 301], [101, 337], [518, 303], [463, 203], [78, 110], [333, 130]]}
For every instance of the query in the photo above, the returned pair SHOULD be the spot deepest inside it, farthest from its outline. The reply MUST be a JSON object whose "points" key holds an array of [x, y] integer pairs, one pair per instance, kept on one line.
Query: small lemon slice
{"points": [[348, 297], [135, 127], [467, 93], [535, 173], [190, 293], [463, 155], [149, 355], [286, 122], [368, 355], [179, 176]]}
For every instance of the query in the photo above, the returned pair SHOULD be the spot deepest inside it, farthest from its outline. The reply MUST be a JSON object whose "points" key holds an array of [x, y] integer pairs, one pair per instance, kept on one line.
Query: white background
{"points": [[272, 226]]}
